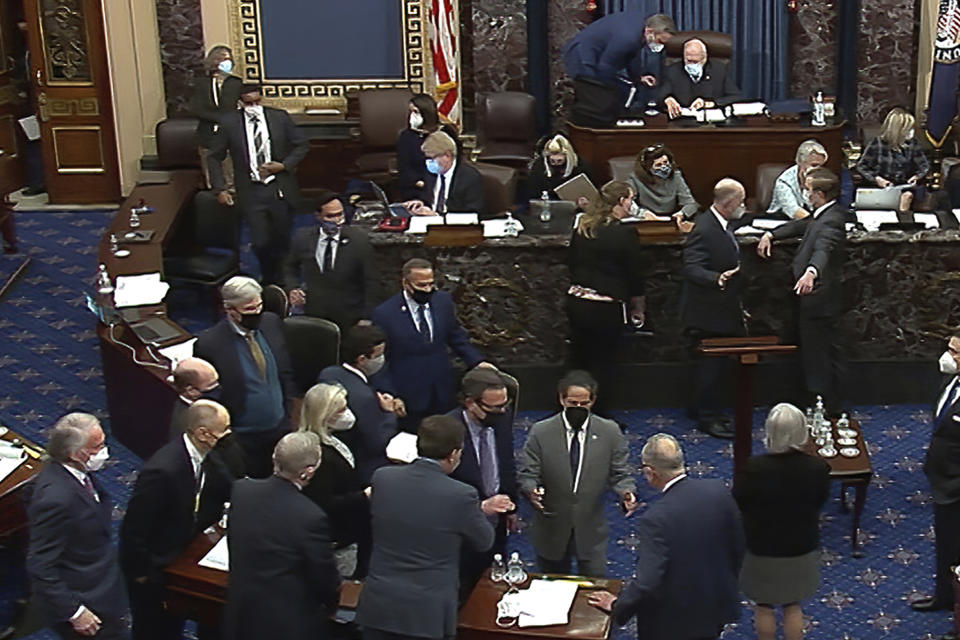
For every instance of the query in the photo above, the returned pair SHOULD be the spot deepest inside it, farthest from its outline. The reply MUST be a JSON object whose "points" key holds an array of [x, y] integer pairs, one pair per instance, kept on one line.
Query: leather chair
{"points": [[313, 343], [177, 144], [507, 128], [621, 167], [719, 45], [275, 300], [499, 187], [767, 174], [383, 115]]}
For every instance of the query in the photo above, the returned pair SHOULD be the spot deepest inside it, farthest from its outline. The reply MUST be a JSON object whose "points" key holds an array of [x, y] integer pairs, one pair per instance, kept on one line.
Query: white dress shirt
{"points": [[251, 150], [673, 481], [949, 395], [582, 437], [350, 367], [81, 477], [322, 245], [723, 221], [413, 307], [447, 178]]}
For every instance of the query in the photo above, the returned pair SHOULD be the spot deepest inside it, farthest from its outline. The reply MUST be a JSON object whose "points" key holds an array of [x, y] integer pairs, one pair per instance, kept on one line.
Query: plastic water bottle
{"points": [[809, 419], [497, 570], [819, 118], [545, 214], [134, 219], [515, 573], [224, 519], [511, 229]]}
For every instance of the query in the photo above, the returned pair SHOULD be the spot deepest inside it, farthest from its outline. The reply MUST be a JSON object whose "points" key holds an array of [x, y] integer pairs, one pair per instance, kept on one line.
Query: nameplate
{"points": [[656, 231], [453, 235]]}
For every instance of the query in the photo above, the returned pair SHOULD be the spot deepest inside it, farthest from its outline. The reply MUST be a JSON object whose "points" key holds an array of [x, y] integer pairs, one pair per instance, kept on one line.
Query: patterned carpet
{"points": [[50, 364]]}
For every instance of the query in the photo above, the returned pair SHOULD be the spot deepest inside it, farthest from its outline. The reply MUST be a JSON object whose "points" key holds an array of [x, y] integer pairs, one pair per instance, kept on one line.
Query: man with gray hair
{"points": [[789, 198], [74, 572], [452, 185], [698, 83], [248, 348], [688, 562], [283, 579]]}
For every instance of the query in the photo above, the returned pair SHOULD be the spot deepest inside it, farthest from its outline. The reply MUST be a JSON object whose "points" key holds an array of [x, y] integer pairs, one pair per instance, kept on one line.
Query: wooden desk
{"points": [[707, 153], [850, 472], [478, 616], [13, 514]]}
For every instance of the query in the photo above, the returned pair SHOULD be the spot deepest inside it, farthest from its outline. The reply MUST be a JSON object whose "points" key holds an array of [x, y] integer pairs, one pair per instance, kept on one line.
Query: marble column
{"points": [[566, 18], [886, 58], [813, 47], [499, 45], [181, 49]]}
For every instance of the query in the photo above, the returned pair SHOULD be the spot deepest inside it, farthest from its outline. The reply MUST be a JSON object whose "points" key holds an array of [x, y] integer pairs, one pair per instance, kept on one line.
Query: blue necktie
{"points": [[574, 456], [422, 325], [488, 475]]}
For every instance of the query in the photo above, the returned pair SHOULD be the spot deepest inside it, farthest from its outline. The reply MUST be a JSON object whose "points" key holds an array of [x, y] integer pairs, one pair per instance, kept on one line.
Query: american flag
{"points": [[446, 56], [948, 24]]}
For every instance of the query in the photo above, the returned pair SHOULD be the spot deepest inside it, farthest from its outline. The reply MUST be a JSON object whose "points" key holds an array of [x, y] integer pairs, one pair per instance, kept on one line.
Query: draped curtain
{"points": [[760, 31]]}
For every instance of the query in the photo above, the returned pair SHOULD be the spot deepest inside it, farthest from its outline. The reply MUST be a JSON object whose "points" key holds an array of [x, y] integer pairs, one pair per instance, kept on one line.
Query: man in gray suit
{"points": [[569, 461], [420, 520]]}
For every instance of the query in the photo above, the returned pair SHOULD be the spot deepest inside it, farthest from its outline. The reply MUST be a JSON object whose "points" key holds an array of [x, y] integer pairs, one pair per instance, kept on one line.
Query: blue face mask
{"points": [[433, 166], [329, 227], [226, 66], [693, 69]]}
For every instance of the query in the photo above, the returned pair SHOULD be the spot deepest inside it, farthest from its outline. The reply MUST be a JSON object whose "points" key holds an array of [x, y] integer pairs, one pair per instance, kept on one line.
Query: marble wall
{"points": [[499, 45], [813, 46], [181, 49], [886, 57], [565, 19]]}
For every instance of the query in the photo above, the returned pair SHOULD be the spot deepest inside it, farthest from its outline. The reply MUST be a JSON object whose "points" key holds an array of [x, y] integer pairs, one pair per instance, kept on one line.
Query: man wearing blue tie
{"points": [[421, 325]]}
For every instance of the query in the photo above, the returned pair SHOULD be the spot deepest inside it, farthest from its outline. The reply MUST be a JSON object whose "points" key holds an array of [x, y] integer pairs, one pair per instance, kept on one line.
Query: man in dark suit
{"points": [[283, 579], [179, 492], [215, 95], [487, 464], [266, 148], [330, 268], [710, 303], [376, 412], [688, 562], [74, 573], [818, 269], [249, 350], [698, 83], [193, 378], [452, 185], [421, 324], [421, 520], [942, 468]]}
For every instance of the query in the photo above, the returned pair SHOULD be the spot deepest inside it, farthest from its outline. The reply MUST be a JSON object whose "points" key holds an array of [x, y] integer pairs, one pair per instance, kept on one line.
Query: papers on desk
{"points": [[419, 224], [402, 447], [748, 230], [546, 602], [217, 558], [767, 224], [742, 109], [176, 353], [134, 291], [497, 228], [462, 218], [10, 458], [871, 220], [31, 127], [703, 115], [929, 220]]}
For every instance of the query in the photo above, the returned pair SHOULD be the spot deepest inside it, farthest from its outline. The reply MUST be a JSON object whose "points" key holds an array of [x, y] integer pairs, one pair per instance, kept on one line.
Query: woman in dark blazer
{"points": [[336, 486], [780, 495], [411, 163], [606, 287]]}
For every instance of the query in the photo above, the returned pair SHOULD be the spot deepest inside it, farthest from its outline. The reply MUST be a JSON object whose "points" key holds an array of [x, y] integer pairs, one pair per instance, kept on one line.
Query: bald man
{"points": [[698, 83], [710, 302], [193, 378]]}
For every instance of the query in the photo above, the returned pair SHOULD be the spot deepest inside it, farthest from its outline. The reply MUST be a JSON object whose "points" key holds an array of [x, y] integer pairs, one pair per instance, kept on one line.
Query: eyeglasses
{"points": [[502, 408]]}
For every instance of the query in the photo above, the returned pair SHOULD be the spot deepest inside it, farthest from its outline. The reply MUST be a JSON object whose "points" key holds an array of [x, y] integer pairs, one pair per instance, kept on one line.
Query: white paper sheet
{"points": [[31, 127], [462, 218], [497, 228], [176, 353], [133, 291], [747, 231], [217, 558], [402, 447], [929, 220], [741, 109], [9, 464], [871, 220], [703, 115], [546, 602], [766, 223], [419, 224]]}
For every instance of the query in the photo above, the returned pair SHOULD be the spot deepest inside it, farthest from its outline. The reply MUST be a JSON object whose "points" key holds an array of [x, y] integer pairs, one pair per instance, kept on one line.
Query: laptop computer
{"points": [[877, 199], [562, 215], [393, 209]]}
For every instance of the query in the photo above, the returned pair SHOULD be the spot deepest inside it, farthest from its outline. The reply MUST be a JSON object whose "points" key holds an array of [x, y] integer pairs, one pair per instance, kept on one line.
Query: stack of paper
{"points": [[546, 602], [497, 228], [419, 224], [10, 458], [929, 220], [217, 558], [133, 291], [741, 109], [703, 115], [176, 353], [871, 220], [767, 224], [402, 447]]}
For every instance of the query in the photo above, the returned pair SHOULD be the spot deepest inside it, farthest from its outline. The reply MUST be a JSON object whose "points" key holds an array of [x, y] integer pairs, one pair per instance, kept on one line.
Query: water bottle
{"points": [[545, 214], [497, 570], [819, 118], [510, 228], [809, 419], [225, 517], [515, 573], [114, 245], [134, 219]]}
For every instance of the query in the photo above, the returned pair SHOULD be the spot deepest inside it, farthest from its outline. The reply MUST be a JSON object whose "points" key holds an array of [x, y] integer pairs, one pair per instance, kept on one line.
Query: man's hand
{"points": [[513, 523], [583, 202], [87, 623], [417, 208], [804, 285], [683, 225], [648, 81], [399, 408], [765, 245], [536, 498], [630, 503], [225, 198], [298, 296], [646, 214], [638, 317], [499, 503], [602, 600], [673, 107], [270, 168], [883, 183], [726, 275], [699, 103], [386, 402]]}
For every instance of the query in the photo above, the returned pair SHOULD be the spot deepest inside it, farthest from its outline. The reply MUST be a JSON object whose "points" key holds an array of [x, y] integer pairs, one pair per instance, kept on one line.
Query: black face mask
{"points": [[211, 394], [421, 297], [250, 321], [576, 416], [490, 419]]}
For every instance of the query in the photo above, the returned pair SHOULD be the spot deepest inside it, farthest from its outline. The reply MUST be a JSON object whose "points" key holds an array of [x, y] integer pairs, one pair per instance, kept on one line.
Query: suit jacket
{"points": [[942, 465], [418, 371], [374, 427], [160, 520], [823, 247], [608, 46], [349, 291], [203, 106], [688, 564], [715, 84], [421, 518], [545, 463], [287, 145], [283, 579], [466, 191], [708, 251], [469, 470], [337, 488], [217, 345], [610, 263], [71, 560]]}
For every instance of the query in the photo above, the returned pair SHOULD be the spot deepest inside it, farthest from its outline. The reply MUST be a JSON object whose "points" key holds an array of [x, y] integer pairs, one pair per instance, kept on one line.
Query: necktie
{"points": [[422, 324], [198, 488], [948, 400], [257, 354], [488, 476], [261, 156], [442, 196], [88, 485], [733, 239], [574, 455], [328, 255]]}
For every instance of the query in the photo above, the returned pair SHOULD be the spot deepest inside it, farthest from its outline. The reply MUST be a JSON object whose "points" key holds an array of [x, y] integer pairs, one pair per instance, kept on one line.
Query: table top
{"points": [[27, 470], [479, 613], [841, 466], [751, 123]]}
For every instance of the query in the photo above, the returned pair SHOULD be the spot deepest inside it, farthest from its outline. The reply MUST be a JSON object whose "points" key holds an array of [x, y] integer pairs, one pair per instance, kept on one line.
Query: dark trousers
{"points": [[150, 620], [707, 374], [824, 366], [110, 629], [595, 567], [258, 450], [474, 563], [34, 155], [946, 527], [595, 332], [269, 219]]}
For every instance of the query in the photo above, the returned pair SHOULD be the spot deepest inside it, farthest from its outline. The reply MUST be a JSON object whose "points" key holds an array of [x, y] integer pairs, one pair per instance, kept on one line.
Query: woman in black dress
{"points": [[336, 486], [411, 163], [780, 495]]}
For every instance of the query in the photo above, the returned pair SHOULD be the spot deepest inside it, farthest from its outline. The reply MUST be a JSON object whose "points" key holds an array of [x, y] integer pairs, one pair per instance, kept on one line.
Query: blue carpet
{"points": [[50, 364]]}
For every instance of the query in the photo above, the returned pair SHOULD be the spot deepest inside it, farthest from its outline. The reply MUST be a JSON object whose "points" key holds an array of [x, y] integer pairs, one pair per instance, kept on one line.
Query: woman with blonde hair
{"points": [[555, 163], [336, 486], [896, 158], [606, 286]]}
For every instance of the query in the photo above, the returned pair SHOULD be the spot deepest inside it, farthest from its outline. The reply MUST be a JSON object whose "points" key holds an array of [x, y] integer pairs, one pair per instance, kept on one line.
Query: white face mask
{"points": [[416, 120], [226, 66], [948, 365], [694, 69], [344, 421], [97, 460], [656, 47], [634, 209], [251, 109], [374, 365]]}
